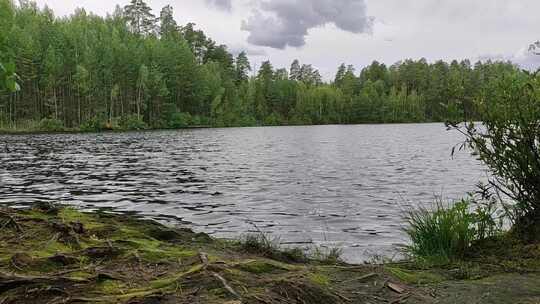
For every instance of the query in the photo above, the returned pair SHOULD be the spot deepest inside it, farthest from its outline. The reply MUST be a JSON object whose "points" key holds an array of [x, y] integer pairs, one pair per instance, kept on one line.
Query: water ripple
{"points": [[327, 185]]}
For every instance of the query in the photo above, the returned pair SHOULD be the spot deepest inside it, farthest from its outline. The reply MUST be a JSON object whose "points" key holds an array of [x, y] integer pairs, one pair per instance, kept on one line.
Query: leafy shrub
{"points": [[300, 120], [508, 142], [489, 213], [94, 124], [51, 125], [247, 121], [273, 119], [8, 78], [133, 122], [180, 120]]}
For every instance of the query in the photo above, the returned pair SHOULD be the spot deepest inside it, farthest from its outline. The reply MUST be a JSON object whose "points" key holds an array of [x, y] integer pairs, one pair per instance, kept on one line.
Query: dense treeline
{"points": [[133, 69]]}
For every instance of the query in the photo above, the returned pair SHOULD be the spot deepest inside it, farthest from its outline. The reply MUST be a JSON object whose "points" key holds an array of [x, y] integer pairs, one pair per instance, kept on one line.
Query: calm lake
{"points": [[346, 186]]}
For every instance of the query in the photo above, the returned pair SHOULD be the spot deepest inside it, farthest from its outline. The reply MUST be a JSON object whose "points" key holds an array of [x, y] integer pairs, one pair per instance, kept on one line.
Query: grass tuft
{"points": [[327, 256], [447, 233], [270, 247], [441, 235]]}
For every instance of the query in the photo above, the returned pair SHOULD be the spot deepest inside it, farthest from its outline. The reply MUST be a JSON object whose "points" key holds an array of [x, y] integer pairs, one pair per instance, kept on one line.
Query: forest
{"points": [[137, 69]]}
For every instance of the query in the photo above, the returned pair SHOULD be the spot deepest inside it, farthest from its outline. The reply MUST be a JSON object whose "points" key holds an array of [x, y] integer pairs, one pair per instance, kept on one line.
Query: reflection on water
{"points": [[330, 185]]}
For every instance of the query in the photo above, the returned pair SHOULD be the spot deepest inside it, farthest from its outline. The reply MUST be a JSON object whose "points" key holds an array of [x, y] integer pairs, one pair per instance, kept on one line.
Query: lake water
{"points": [[346, 186]]}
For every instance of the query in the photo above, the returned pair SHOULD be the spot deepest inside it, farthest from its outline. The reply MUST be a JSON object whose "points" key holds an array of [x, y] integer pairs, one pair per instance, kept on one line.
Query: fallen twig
{"points": [[226, 285], [204, 260], [396, 287]]}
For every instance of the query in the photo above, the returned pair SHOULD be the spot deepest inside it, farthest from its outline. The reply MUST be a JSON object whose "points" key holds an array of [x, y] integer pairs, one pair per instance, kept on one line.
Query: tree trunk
{"points": [[139, 103], [55, 104]]}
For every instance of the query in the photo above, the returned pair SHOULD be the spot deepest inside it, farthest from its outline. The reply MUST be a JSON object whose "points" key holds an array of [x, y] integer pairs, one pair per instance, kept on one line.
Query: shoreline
{"points": [[62, 254], [78, 131], [65, 254]]}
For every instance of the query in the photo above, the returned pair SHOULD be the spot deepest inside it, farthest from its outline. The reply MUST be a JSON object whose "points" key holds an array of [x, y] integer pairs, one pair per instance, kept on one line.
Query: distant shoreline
{"points": [[78, 131]]}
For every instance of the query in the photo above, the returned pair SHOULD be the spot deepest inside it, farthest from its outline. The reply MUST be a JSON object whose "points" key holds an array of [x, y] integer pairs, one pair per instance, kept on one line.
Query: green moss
{"points": [[89, 222], [80, 275], [174, 280], [319, 279], [49, 248], [111, 287], [415, 277], [34, 214], [43, 266], [156, 255], [152, 250], [262, 266]]}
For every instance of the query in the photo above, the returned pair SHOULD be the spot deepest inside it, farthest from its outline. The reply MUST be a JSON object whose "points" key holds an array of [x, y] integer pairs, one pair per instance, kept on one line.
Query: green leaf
{"points": [[11, 84], [10, 68]]}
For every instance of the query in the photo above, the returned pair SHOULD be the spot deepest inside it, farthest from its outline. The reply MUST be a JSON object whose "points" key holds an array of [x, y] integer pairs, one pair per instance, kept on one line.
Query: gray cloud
{"points": [[225, 5], [282, 23]]}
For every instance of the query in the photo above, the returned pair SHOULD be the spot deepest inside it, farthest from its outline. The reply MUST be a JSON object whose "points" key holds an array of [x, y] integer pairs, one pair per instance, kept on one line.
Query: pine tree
{"points": [[140, 18], [338, 80], [294, 73], [243, 68], [168, 25]]}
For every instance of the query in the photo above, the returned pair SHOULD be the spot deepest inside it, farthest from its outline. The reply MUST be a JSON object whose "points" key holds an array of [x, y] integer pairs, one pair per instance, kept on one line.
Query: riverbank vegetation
{"points": [[444, 233], [499, 228], [136, 69]]}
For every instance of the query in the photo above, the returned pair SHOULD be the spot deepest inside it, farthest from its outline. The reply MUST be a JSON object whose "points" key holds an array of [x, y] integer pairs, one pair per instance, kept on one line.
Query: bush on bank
{"points": [[446, 232], [508, 143]]}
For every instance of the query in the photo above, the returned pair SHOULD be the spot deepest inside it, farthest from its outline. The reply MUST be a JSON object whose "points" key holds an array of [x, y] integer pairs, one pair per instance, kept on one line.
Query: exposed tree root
{"points": [[12, 281], [9, 222]]}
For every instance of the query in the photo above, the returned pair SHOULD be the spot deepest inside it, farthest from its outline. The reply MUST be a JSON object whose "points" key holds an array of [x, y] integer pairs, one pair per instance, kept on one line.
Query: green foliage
{"points": [[91, 70], [133, 122], [51, 125], [440, 235], [445, 233], [8, 78], [94, 124], [273, 119], [181, 120], [508, 142]]}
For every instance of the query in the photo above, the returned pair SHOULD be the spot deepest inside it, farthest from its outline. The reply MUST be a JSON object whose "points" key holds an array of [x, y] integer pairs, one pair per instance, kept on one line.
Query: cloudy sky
{"points": [[326, 33]]}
